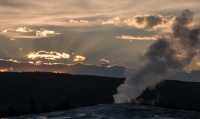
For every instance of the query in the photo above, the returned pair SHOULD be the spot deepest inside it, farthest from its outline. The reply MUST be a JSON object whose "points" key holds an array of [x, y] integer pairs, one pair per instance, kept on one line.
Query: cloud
{"points": [[147, 22], [6, 69], [105, 60], [191, 76], [99, 19], [76, 21], [4, 31], [12, 39], [38, 63], [77, 68], [44, 63], [44, 32], [198, 63], [25, 32], [3, 70], [79, 58], [31, 62], [115, 21], [20, 29], [15, 4], [12, 11], [8, 30], [24, 29], [52, 55], [10, 60], [137, 38]]}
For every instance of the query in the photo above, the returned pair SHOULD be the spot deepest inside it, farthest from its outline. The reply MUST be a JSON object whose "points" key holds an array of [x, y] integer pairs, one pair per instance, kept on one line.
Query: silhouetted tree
{"points": [[33, 109], [10, 112], [58, 107], [63, 106], [2, 113], [45, 108]]}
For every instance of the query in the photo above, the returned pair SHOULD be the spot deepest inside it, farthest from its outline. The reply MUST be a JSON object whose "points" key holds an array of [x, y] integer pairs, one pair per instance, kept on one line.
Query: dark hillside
{"points": [[35, 92], [175, 94], [18, 89]]}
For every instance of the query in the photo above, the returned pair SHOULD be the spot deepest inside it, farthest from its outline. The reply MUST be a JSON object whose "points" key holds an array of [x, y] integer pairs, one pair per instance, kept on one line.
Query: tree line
{"points": [[12, 112]]}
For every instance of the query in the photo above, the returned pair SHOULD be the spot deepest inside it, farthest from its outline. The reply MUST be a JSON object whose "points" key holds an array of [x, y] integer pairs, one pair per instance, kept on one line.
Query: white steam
{"points": [[162, 58]]}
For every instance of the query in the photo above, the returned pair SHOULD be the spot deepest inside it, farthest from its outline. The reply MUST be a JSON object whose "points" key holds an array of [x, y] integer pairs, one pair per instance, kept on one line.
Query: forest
{"points": [[24, 93], [36, 92]]}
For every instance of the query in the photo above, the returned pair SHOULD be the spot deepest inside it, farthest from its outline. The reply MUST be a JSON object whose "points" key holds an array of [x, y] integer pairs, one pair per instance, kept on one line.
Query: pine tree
{"points": [[45, 108], [33, 109]]}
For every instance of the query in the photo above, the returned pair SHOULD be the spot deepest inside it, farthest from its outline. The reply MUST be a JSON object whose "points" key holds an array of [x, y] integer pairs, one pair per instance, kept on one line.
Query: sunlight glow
{"points": [[44, 32], [58, 72], [79, 58], [25, 32], [137, 38], [4, 70], [10, 60], [105, 60], [76, 21], [4, 31], [24, 29], [115, 21], [198, 63], [52, 55]]}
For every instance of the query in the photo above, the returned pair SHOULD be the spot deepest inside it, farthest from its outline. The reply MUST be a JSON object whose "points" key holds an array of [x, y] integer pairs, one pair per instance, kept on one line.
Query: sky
{"points": [[96, 37]]}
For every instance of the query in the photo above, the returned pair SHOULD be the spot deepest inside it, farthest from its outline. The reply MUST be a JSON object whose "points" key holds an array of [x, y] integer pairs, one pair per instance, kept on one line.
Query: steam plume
{"points": [[161, 58]]}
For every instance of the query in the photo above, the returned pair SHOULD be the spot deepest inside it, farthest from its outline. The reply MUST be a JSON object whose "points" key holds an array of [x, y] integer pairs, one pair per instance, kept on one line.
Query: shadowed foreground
{"points": [[118, 111]]}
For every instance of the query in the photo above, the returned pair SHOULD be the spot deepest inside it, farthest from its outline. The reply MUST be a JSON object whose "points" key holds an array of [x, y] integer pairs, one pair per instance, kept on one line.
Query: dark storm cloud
{"points": [[161, 58], [154, 21], [148, 22]]}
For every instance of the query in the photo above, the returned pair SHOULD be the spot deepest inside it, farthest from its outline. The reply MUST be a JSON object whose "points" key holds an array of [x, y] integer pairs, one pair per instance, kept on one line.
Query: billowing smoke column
{"points": [[166, 55]]}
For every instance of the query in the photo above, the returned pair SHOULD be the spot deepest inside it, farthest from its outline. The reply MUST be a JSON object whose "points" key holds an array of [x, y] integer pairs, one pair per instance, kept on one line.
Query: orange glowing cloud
{"points": [[136, 38], [198, 63], [30, 62], [115, 21], [4, 31], [48, 55], [10, 60], [44, 63], [79, 58], [58, 72], [24, 29], [5, 69], [76, 21], [44, 32], [104, 60], [25, 32]]}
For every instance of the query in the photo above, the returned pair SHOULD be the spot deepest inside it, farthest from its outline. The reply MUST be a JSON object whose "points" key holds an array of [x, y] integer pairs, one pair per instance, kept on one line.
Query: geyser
{"points": [[164, 56]]}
